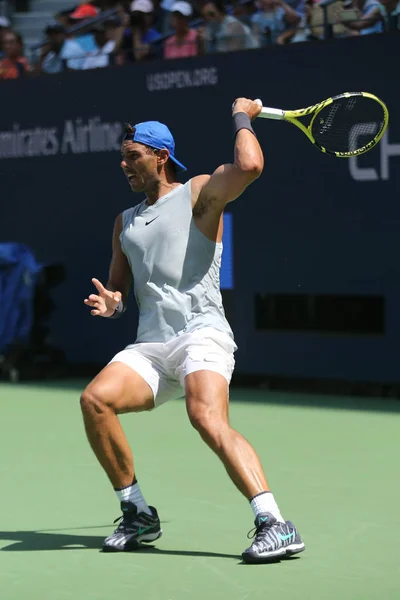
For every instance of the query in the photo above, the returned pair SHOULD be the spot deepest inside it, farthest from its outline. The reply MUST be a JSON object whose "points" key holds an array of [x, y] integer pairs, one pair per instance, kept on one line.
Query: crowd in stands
{"points": [[116, 32]]}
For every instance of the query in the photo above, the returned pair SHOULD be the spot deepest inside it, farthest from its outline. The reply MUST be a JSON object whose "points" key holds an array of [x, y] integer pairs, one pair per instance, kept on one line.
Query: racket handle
{"points": [[272, 113]]}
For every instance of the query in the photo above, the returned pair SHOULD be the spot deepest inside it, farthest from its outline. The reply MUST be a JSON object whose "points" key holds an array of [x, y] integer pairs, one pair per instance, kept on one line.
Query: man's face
{"points": [[179, 22], [139, 164], [11, 46], [139, 19], [210, 13], [56, 39]]}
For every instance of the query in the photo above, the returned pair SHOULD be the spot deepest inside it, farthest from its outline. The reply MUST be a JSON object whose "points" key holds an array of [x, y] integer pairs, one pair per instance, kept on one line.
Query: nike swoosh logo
{"points": [[263, 519], [143, 530], [286, 537], [148, 222]]}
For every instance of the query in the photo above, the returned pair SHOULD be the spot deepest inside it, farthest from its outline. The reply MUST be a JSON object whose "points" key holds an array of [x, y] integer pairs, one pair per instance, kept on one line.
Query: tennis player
{"points": [[171, 244]]}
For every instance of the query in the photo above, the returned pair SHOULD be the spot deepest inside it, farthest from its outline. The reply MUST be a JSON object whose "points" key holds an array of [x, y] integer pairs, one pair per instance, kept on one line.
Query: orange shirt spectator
{"points": [[185, 41], [14, 64]]}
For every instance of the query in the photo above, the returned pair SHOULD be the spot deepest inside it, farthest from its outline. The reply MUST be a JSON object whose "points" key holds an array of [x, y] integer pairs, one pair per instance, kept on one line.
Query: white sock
{"points": [[265, 502], [132, 493]]}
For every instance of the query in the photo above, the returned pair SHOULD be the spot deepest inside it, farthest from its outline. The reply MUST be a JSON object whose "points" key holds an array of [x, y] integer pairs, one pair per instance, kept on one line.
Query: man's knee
{"points": [[209, 423], [93, 400], [199, 419]]}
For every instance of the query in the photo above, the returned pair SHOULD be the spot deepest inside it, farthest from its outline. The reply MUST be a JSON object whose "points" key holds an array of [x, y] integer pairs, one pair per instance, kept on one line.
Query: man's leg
{"points": [[120, 389], [207, 402], [117, 389]]}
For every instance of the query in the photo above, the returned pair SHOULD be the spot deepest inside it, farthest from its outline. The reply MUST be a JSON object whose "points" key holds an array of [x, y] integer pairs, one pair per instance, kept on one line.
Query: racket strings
{"points": [[348, 123]]}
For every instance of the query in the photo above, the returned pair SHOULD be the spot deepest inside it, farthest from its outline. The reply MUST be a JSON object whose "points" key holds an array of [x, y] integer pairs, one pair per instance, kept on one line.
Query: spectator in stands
{"points": [[139, 39], [14, 64], [81, 44], [223, 32], [184, 42], [166, 5], [275, 23], [113, 27], [304, 9], [103, 56], [245, 10], [369, 18], [50, 60], [390, 10]]}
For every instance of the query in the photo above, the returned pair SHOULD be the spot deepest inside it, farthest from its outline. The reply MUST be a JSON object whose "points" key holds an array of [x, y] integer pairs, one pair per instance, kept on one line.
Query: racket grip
{"points": [[272, 113]]}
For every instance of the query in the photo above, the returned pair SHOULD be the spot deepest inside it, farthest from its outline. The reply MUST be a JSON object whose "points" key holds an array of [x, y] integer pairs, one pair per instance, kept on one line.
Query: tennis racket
{"points": [[346, 125]]}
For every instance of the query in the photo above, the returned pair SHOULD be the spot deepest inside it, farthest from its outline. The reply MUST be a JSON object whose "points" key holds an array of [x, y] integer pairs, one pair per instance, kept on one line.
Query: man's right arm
{"points": [[107, 302], [120, 275]]}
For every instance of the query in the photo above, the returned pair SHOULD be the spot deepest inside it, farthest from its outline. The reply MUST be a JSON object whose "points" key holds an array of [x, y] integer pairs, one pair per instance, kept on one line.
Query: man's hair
{"points": [[219, 5], [130, 130]]}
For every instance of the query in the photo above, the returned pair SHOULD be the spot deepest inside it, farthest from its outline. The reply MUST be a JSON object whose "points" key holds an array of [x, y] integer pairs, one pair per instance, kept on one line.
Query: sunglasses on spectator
{"points": [[210, 13]]}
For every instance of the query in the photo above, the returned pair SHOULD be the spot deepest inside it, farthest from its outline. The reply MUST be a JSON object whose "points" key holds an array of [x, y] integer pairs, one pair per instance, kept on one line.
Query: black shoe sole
{"points": [[254, 559], [130, 546]]}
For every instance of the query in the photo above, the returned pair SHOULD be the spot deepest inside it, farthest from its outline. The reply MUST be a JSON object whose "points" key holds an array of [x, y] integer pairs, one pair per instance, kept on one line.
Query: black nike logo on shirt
{"points": [[148, 222]]}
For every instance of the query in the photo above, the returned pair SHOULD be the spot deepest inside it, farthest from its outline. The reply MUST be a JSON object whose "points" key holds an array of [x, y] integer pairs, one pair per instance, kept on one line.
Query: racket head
{"points": [[348, 124]]}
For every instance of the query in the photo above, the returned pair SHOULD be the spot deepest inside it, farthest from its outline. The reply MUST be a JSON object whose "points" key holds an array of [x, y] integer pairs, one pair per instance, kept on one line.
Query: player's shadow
{"points": [[25, 541], [28, 541], [153, 550]]}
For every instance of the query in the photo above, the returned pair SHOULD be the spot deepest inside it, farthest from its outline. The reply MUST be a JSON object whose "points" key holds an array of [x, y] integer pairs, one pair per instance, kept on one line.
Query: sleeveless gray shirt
{"points": [[175, 268]]}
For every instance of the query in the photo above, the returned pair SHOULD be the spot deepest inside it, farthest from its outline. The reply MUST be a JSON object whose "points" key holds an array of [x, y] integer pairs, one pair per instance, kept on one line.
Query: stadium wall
{"points": [[314, 290]]}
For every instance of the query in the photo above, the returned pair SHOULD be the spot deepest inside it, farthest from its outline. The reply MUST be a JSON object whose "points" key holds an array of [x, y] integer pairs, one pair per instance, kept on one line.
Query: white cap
{"points": [[144, 6], [4, 22], [182, 7]]}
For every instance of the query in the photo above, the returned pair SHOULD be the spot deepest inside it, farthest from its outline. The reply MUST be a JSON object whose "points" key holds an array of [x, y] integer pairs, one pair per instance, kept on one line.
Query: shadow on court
{"points": [[30, 541], [25, 541]]}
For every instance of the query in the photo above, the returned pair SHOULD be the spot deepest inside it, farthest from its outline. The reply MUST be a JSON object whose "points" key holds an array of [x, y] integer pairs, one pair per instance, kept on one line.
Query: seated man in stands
{"points": [[276, 22], [78, 46], [223, 32], [50, 60], [14, 64], [103, 56], [184, 43], [138, 40]]}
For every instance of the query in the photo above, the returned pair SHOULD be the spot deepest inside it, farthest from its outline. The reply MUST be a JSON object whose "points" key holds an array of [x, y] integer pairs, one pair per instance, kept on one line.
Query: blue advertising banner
{"points": [[311, 261]]}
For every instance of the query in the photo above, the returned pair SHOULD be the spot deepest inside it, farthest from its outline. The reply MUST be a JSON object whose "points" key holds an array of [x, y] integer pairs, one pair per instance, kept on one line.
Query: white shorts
{"points": [[164, 366]]}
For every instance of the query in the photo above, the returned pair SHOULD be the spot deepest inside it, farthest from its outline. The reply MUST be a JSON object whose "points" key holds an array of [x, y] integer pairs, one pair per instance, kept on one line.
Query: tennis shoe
{"points": [[134, 529], [272, 540]]}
